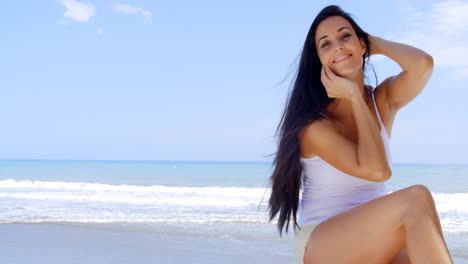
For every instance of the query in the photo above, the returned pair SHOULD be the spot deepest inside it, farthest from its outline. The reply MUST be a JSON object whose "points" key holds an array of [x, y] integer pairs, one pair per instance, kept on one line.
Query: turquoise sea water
{"points": [[218, 199]]}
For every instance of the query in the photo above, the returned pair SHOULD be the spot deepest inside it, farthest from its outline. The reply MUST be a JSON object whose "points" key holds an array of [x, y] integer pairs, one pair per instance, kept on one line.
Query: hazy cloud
{"points": [[442, 31], [132, 10], [78, 11]]}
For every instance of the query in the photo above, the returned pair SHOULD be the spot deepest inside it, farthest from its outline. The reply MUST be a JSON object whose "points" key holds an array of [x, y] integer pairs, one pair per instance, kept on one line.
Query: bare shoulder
{"points": [[318, 127], [317, 130]]}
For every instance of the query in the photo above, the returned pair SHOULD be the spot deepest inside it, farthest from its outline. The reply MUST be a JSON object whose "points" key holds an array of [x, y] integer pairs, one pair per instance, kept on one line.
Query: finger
{"points": [[329, 73], [324, 72], [326, 84], [324, 78], [328, 81]]}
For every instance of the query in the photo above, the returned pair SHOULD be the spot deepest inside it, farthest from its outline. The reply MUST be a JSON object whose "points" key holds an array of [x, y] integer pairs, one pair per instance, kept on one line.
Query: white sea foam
{"points": [[451, 202], [155, 195], [28, 184], [46, 201], [40, 201]]}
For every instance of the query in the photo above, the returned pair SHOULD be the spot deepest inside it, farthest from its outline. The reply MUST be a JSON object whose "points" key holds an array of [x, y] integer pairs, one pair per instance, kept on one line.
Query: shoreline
{"points": [[107, 243], [89, 243]]}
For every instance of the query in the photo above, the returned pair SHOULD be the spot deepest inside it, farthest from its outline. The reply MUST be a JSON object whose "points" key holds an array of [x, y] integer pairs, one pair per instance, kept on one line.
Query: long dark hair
{"points": [[306, 103]]}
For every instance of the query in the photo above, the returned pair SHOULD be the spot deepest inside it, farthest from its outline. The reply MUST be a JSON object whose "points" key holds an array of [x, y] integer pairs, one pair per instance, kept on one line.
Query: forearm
{"points": [[409, 58], [370, 150]]}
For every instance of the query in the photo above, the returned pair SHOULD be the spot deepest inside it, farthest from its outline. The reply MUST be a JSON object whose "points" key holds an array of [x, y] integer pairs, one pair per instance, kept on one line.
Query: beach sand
{"points": [[106, 243], [65, 243]]}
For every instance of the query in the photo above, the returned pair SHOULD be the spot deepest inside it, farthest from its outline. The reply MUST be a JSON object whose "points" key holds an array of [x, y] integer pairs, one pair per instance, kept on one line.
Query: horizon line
{"points": [[197, 161]]}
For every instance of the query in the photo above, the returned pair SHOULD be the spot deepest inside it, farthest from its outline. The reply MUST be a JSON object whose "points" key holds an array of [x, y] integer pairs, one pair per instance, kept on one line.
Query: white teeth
{"points": [[341, 58]]}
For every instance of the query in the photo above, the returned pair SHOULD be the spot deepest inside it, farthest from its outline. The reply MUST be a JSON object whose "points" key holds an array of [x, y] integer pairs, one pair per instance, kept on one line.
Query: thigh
{"points": [[372, 232]]}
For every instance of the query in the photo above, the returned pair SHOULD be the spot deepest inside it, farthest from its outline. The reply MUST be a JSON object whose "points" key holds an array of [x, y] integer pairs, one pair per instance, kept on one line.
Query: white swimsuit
{"points": [[328, 191]]}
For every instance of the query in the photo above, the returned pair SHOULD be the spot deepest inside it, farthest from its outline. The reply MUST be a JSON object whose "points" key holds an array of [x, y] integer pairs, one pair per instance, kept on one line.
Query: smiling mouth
{"points": [[342, 58]]}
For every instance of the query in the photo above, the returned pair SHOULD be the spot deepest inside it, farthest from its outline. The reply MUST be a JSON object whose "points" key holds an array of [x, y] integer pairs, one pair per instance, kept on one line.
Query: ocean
{"points": [[202, 210]]}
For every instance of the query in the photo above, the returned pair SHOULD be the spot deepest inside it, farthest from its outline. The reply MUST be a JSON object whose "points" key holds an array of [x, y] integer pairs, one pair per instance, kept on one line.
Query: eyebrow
{"points": [[327, 35]]}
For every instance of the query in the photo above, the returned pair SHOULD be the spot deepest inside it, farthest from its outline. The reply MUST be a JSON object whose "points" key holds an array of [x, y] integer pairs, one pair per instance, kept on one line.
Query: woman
{"points": [[334, 137]]}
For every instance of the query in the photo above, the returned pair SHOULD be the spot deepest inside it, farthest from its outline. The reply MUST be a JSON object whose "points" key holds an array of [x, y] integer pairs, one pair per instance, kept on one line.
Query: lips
{"points": [[342, 58]]}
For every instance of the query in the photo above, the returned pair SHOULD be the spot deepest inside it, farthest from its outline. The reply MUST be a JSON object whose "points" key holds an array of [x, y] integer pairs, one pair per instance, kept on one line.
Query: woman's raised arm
{"points": [[417, 68]]}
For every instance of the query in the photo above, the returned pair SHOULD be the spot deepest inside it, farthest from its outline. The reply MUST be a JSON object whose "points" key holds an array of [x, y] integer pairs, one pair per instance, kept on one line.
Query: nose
{"points": [[338, 48]]}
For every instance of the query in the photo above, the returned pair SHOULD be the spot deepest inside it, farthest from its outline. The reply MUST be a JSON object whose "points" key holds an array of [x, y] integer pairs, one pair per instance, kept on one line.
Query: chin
{"points": [[346, 72], [348, 69]]}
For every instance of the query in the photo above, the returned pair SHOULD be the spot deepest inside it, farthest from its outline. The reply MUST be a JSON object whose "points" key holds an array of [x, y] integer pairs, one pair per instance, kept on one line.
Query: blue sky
{"points": [[201, 80]]}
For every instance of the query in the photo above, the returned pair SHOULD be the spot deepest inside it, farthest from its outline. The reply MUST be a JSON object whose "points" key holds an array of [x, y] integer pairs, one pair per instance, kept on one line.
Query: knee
{"points": [[420, 199], [420, 193]]}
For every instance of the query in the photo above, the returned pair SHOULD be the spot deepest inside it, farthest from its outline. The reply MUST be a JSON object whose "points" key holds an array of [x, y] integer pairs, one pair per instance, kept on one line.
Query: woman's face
{"points": [[338, 46]]}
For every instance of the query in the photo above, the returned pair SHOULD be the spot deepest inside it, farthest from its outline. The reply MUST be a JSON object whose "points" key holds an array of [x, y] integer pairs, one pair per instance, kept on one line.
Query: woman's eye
{"points": [[344, 37]]}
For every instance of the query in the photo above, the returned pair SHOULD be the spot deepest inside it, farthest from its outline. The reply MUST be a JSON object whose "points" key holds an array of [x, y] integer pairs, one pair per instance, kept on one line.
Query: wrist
{"points": [[354, 95]]}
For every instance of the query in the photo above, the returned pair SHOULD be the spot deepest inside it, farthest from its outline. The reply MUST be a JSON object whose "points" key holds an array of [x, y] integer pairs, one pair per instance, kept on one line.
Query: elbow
{"points": [[383, 175], [386, 174], [378, 175], [423, 67], [428, 63]]}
